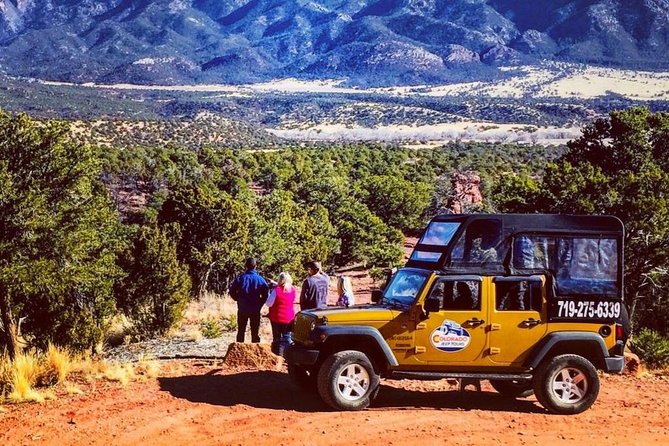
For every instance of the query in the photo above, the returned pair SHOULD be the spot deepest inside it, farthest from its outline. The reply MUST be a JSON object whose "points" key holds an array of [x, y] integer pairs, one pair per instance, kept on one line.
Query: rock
{"points": [[632, 363], [466, 191]]}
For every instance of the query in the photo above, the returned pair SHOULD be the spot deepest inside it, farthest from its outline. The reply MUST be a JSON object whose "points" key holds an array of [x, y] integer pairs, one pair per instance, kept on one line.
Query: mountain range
{"points": [[367, 41]]}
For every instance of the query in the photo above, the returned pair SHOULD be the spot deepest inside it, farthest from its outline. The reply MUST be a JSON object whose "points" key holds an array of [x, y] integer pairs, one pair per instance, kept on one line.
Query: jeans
{"points": [[278, 329], [242, 320]]}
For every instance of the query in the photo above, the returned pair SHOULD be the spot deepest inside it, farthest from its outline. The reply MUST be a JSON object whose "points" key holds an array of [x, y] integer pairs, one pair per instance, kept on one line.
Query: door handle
{"points": [[531, 322], [474, 322]]}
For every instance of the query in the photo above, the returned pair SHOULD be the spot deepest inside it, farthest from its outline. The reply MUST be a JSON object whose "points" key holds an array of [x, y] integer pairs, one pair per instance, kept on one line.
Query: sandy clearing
{"points": [[444, 132], [545, 80]]}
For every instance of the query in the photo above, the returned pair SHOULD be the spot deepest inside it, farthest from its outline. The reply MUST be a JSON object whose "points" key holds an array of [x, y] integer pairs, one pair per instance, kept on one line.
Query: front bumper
{"points": [[299, 355]]}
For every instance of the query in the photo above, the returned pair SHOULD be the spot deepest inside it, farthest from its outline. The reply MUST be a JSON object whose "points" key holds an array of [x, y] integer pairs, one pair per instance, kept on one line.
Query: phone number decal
{"points": [[588, 309]]}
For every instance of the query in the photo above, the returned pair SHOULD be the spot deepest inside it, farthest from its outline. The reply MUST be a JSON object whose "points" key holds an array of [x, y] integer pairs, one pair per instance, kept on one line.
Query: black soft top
{"points": [[583, 253]]}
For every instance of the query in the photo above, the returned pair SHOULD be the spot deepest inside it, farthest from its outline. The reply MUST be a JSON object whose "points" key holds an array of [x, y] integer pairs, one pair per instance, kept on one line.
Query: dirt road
{"points": [[204, 404]]}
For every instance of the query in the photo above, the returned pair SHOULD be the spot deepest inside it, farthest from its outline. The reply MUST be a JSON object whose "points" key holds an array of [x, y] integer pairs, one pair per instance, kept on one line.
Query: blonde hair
{"points": [[286, 281], [344, 285]]}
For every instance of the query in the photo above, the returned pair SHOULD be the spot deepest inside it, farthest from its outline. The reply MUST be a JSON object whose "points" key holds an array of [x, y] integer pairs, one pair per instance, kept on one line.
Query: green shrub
{"points": [[651, 347], [230, 323], [154, 293], [378, 274], [211, 329]]}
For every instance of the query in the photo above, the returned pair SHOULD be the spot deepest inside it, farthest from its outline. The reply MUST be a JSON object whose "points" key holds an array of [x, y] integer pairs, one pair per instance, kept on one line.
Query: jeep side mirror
{"points": [[377, 295], [432, 305]]}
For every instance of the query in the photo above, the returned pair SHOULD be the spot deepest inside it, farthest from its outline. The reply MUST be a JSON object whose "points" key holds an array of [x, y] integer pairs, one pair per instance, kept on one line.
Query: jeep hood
{"points": [[355, 314]]}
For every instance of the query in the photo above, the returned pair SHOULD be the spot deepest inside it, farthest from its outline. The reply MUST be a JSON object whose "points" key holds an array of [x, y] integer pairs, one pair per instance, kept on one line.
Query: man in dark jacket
{"points": [[250, 290], [314, 292]]}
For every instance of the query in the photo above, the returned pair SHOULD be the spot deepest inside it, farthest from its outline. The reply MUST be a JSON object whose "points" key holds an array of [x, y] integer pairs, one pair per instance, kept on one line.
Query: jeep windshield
{"points": [[404, 287]]}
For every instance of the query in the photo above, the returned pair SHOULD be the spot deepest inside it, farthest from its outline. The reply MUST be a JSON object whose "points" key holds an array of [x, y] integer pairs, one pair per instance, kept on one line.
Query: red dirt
{"points": [[205, 404]]}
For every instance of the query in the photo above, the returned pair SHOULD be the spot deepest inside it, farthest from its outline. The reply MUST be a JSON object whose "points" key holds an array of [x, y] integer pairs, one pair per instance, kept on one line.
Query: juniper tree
{"points": [[58, 236]]}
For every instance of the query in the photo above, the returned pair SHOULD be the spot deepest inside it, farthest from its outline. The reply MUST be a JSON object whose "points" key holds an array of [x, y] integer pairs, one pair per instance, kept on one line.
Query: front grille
{"points": [[302, 327]]}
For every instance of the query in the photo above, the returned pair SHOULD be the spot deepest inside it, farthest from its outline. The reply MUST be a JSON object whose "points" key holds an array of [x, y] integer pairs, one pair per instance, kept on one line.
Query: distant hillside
{"points": [[204, 130], [377, 42]]}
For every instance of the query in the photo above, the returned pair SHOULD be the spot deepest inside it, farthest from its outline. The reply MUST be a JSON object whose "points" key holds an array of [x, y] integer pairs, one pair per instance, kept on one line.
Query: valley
{"points": [[546, 104]]}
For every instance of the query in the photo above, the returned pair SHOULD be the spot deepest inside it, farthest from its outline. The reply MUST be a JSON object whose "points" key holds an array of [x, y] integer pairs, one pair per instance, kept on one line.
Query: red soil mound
{"points": [[252, 356]]}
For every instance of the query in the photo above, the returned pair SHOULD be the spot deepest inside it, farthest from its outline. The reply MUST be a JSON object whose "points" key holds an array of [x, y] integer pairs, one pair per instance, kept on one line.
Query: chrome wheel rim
{"points": [[569, 385], [353, 382]]}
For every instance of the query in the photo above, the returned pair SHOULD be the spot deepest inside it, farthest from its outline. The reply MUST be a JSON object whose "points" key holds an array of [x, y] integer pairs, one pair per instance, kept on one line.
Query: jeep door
{"points": [[455, 335], [517, 317]]}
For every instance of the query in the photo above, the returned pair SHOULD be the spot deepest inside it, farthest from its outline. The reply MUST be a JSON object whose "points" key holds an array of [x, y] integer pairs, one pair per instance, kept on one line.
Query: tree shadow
{"points": [[273, 390]]}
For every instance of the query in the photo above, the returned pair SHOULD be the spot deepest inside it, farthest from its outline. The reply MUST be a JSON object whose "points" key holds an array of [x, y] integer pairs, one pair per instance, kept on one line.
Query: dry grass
{"points": [[88, 369], [147, 368], [73, 389], [121, 373], [189, 334], [25, 371], [59, 363], [36, 377], [119, 331], [210, 306]]}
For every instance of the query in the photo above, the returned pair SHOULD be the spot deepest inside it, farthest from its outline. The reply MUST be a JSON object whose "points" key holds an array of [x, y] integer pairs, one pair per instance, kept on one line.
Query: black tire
{"points": [[302, 376], [566, 384], [347, 381], [513, 388]]}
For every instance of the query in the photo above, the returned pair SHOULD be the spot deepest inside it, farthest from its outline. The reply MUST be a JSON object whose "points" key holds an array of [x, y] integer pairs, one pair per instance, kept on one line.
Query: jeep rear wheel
{"points": [[347, 381], [566, 384], [513, 388]]}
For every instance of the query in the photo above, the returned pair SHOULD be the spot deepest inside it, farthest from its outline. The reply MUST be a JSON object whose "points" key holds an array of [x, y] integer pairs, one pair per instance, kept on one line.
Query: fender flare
{"points": [[324, 332], [554, 339]]}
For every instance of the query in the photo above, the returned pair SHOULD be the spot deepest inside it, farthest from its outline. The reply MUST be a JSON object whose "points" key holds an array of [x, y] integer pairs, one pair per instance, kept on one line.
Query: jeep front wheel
{"points": [[566, 384], [347, 381]]}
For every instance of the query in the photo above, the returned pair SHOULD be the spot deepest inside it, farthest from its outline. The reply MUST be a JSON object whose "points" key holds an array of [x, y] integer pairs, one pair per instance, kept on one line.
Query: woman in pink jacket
{"points": [[280, 303]]}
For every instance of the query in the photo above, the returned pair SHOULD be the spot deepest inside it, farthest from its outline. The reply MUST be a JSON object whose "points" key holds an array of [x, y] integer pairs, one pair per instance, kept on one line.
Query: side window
{"points": [[479, 243], [534, 252], [457, 294], [518, 295], [587, 266], [581, 265]]}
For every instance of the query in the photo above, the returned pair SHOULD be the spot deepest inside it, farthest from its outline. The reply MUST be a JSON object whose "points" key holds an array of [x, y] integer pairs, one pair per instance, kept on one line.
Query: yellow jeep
{"points": [[532, 303]]}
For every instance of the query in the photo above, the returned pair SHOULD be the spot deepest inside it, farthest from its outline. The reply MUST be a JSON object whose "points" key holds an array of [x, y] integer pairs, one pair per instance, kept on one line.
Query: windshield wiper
{"points": [[394, 303]]}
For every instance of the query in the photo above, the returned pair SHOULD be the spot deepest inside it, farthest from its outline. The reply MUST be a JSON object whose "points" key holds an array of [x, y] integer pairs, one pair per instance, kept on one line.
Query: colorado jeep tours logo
{"points": [[450, 337]]}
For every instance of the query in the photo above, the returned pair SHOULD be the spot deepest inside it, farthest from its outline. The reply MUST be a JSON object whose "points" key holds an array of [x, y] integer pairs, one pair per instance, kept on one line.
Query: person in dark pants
{"points": [[314, 293], [250, 290]]}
